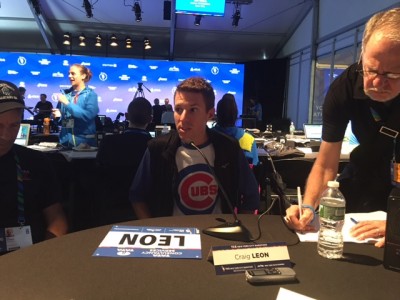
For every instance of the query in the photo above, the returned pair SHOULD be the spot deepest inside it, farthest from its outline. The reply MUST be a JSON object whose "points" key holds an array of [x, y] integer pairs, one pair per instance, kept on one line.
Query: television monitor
{"points": [[23, 134], [214, 8], [159, 129]]}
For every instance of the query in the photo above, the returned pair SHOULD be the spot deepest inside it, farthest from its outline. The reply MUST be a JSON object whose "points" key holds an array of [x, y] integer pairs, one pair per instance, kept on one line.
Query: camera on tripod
{"points": [[139, 91]]}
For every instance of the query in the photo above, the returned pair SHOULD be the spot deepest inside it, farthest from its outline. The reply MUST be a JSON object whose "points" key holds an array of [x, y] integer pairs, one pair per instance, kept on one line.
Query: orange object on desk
{"points": [[46, 126]]}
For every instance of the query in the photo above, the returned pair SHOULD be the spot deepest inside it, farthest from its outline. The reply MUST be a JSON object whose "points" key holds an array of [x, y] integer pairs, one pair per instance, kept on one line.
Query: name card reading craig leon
{"points": [[151, 242], [239, 258]]}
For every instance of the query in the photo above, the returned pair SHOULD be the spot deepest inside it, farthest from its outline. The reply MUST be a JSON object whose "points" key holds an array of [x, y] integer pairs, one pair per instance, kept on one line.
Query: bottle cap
{"points": [[333, 184]]}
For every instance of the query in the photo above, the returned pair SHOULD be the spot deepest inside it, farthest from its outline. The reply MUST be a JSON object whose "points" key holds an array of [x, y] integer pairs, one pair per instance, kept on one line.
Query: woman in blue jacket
{"points": [[78, 107]]}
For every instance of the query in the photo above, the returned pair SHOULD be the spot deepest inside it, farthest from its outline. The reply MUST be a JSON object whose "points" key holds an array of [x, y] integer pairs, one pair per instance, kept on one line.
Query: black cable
{"points": [[285, 223], [259, 220]]}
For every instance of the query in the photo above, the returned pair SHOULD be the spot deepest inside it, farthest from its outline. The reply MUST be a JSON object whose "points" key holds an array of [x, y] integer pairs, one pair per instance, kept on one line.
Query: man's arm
{"points": [[324, 169], [55, 220], [141, 210]]}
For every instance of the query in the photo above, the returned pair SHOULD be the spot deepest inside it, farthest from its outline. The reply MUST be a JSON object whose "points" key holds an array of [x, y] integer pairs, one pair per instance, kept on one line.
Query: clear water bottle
{"points": [[331, 214], [291, 129]]}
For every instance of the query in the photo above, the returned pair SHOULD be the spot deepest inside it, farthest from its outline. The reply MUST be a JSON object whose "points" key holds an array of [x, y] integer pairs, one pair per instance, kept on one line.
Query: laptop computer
{"points": [[23, 135], [159, 128], [313, 131]]}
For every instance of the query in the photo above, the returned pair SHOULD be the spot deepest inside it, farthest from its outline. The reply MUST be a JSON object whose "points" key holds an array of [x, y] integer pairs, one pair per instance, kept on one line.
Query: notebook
{"points": [[23, 135], [313, 131]]}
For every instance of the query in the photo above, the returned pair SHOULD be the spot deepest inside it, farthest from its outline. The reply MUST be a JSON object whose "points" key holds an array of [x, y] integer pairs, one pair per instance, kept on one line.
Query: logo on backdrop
{"points": [[214, 70], [161, 77], [21, 61], [103, 76], [197, 189]]}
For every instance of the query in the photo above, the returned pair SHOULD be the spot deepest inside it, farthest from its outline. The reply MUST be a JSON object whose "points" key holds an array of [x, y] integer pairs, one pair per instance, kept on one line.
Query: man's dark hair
{"points": [[227, 111], [139, 111], [21, 90], [198, 85]]}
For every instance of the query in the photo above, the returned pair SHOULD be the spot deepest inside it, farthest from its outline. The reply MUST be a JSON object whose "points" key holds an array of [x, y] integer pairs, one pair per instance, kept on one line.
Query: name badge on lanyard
{"points": [[14, 238]]}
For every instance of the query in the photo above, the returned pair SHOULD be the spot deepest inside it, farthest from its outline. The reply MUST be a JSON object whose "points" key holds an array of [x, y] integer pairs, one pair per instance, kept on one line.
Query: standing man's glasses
{"points": [[373, 74]]}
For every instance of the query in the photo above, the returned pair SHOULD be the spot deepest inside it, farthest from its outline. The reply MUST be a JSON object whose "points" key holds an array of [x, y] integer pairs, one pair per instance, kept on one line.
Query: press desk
{"points": [[63, 268]]}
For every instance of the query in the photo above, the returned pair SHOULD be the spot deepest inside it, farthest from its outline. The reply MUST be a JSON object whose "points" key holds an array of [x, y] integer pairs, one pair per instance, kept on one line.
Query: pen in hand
{"points": [[354, 221], [299, 201]]}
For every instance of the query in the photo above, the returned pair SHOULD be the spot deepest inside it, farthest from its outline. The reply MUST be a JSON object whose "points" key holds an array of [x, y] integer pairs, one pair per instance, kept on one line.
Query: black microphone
{"points": [[227, 231]]}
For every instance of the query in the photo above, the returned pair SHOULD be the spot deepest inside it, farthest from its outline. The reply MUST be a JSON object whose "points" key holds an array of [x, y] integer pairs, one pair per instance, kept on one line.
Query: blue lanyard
{"points": [[20, 192]]}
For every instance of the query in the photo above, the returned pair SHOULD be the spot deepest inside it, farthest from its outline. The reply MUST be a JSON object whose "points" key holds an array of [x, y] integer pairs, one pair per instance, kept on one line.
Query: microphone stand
{"points": [[233, 231]]}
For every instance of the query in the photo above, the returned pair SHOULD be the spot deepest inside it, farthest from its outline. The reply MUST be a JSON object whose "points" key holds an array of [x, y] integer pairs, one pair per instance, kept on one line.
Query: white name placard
{"points": [[151, 242], [239, 258]]}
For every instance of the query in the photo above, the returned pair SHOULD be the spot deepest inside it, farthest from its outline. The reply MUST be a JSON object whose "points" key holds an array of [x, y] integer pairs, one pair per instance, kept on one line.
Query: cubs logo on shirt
{"points": [[197, 190]]}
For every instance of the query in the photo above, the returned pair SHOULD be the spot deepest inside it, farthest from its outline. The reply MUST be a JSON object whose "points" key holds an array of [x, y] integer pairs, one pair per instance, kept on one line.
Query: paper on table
{"points": [[348, 224], [285, 294]]}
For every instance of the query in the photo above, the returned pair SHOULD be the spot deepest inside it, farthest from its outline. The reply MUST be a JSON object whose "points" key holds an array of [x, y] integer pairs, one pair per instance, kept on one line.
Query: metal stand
{"points": [[139, 91]]}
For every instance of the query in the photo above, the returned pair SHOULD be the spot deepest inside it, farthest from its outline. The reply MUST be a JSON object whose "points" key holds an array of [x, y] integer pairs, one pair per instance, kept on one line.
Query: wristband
{"points": [[309, 207]]}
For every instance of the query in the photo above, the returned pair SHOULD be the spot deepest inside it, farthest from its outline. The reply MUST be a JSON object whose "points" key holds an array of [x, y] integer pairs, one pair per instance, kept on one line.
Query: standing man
{"points": [[174, 179], [167, 116], [256, 111], [367, 94], [157, 112], [165, 105], [28, 187], [22, 91]]}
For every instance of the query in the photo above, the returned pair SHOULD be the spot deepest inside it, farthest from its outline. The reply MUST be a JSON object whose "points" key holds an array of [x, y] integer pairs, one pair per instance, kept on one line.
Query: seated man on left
{"points": [[43, 109], [29, 210]]}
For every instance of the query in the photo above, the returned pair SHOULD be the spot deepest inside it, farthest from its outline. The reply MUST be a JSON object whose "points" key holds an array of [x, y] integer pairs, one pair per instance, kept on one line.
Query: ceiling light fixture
{"points": [[82, 39], [98, 41], [128, 42], [146, 43], [236, 15], [67, 38], [88, 8], [113, 41], [197, 20], [138, 11]]}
